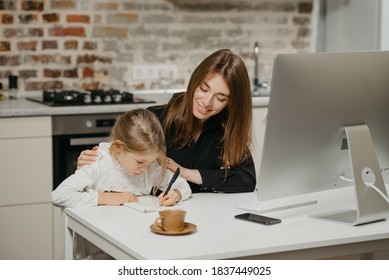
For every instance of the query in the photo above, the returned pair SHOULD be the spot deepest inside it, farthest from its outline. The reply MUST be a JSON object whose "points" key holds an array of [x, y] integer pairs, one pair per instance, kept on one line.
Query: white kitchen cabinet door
{"points": [[25, 170], [354, 25], [26, 232]]}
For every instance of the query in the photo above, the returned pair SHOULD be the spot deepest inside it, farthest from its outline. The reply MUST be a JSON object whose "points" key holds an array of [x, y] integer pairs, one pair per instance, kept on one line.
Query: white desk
{"points": [[124, 233]]}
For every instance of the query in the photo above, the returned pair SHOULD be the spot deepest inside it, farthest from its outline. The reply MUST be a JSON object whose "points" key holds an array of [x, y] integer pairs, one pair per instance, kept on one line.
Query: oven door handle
{"points": [[87, 141]]}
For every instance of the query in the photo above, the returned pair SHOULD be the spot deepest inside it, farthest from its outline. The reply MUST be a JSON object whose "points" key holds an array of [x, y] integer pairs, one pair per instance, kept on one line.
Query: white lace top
{"points": [[106, 174]]}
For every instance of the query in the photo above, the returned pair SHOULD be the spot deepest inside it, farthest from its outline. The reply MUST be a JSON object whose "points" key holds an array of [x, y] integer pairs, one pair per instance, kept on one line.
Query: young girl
{"points": [[132, 164]]}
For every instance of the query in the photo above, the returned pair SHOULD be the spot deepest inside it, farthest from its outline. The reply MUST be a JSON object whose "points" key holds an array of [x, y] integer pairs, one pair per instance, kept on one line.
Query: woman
{"points": [[208, 128]]}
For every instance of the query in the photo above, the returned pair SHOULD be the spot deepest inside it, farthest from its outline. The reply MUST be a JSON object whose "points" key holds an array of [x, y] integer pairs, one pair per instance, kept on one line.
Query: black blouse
{"points": [[204, 154]]}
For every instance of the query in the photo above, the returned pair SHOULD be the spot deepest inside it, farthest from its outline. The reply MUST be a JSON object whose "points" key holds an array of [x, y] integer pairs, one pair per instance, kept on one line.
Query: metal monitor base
{"points": [[371, 197]]}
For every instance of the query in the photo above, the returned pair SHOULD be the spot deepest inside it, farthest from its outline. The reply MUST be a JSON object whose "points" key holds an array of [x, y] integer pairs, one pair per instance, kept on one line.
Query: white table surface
{"points": [[124, 233]]}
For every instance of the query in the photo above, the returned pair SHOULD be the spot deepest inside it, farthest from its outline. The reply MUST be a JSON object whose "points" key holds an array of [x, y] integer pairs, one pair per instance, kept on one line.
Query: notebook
{"points": [[148, 203]]}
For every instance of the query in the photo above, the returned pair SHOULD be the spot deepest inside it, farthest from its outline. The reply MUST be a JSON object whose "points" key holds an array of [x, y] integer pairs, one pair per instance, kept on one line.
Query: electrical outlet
{"points": [[152, 72], [144, 72]]}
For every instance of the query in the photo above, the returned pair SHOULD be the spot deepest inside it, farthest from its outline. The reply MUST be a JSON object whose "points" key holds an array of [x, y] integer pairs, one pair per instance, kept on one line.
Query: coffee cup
{"points": [[171, 220]]}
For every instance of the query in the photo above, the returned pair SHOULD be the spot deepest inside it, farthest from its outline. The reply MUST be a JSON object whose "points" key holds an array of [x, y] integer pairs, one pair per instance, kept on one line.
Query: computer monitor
{"points": [[313, 98]]}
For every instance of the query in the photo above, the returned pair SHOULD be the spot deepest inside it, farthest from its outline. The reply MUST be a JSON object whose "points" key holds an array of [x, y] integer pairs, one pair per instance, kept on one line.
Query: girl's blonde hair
{"points": [[139, 131]]}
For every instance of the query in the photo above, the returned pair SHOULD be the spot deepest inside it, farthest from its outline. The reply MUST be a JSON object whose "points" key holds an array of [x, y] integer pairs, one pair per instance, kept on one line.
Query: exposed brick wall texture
{"points": [[54, 44]]}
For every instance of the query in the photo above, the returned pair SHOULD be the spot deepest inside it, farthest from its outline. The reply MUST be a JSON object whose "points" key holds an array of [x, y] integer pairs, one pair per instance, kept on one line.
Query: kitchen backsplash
{"points": [[143, 44]]}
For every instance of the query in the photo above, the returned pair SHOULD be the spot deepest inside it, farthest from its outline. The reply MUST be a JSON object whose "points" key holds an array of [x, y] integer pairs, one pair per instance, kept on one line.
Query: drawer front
{"points": [[25, 127], [25, 170]]}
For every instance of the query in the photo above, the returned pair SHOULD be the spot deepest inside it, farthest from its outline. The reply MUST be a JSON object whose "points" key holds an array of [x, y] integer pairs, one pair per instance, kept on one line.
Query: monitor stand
{"points": [[371, 196]]}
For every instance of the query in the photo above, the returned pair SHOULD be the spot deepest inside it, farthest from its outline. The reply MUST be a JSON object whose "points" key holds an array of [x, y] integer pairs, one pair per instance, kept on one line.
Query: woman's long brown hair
{"points": [[236, 118]]}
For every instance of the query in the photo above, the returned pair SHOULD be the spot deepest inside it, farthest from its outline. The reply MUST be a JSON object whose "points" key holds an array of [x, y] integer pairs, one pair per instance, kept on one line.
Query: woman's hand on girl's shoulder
{"points": [[87, 157], [172, 165]]}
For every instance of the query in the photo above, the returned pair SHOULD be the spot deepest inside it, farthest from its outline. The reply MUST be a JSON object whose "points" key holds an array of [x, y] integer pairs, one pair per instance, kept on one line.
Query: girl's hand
{"points": [[116, 198], [87, 157], [172, 197]]}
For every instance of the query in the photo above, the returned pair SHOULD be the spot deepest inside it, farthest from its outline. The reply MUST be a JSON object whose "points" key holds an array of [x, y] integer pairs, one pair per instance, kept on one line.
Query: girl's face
{"points": [[135, 163], [211, 97]]}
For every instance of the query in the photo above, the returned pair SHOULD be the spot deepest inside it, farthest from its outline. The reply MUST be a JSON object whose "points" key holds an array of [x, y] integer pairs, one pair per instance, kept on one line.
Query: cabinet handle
{"points": [[87, 141]]}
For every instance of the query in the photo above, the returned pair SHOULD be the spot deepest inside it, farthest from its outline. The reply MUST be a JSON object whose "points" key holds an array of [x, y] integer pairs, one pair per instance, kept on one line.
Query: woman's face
{"points": [[136, 163], [211, 97]]}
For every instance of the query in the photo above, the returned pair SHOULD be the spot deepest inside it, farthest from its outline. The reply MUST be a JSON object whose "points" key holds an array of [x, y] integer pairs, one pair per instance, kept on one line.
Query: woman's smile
{"points": [[202, 109], [211, 97]]}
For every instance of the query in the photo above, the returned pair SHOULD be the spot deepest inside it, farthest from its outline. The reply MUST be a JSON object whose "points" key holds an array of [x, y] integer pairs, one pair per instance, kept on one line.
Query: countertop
{"points": [[26, 108]]}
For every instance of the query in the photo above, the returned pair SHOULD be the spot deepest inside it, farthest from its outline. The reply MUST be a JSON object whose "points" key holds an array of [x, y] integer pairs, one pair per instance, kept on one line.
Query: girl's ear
{"points": [[117, 146]]}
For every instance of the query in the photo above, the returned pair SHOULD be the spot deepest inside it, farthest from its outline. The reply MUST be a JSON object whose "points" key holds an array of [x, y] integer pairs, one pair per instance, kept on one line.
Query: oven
{"points": [[73, 134]]}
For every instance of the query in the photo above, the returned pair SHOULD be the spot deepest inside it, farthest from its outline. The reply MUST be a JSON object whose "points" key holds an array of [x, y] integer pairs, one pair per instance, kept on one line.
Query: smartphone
{"points": [[258, 219]]}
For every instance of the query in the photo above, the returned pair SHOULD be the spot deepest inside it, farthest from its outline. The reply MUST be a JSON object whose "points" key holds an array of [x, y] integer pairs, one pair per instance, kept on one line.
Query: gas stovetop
{"points": [[93, 97]]}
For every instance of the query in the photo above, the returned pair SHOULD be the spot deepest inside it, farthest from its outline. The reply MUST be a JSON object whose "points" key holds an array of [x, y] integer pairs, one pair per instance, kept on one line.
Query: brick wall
{"points": [[69, 44]]}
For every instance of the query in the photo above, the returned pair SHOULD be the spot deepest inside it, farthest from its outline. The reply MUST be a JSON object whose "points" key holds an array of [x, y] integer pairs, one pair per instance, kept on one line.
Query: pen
{"points": [[175, 175]]}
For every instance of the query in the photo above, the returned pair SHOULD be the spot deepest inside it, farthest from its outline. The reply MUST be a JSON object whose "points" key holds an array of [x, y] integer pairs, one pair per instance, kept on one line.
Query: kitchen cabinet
{"points": [[259, 125], [25, 190], [353, 25]]}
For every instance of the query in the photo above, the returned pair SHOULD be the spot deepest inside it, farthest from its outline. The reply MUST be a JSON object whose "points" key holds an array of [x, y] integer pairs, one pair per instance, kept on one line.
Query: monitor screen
{"points": [[313, 97]]}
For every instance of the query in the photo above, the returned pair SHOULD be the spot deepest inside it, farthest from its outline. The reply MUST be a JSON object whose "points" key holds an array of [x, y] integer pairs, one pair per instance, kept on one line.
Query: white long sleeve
{"points": [[77, 190]]}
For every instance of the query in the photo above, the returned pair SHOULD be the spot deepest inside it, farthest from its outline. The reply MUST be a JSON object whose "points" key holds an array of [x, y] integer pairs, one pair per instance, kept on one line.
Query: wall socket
{"points": [[151, 72]]}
